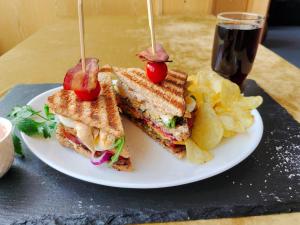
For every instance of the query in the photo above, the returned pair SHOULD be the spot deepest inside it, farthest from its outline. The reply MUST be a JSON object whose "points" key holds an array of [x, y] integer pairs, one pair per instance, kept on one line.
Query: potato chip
{"points": [[193, 83], [195, 154], [230, 93], [222, 112], [211, 81], [250, 102], [210, 85], [228, 133], [236, 119], [194, 90], [207, 131], [199, 97]]}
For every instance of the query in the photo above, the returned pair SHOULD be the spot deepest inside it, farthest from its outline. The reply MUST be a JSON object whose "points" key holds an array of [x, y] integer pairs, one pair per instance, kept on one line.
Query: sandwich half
{"points": [[92, 128], [160, 110]]}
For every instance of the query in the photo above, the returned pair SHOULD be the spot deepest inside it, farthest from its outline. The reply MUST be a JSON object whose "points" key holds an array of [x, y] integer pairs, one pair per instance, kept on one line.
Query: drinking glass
{"points": [[236, 40]]}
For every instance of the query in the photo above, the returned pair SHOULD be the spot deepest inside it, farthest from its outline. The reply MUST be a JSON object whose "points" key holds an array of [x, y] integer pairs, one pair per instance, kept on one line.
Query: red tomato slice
{"points": [[156, 71], [68, 81], [88, 95]]}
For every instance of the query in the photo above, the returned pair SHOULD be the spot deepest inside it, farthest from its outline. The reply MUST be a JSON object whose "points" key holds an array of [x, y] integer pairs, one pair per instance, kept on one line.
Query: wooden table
{"points": [[45, 56]]}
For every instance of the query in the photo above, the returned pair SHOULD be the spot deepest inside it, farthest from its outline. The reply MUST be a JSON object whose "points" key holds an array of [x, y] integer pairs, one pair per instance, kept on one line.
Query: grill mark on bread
{"points": [[169, 86], [141, 74], [160, 92], [172, 81], [175, 80], [63, 99], [178, 75], [110, 106], [172, 86], [106, 68], [78, 107], [95, 113]]}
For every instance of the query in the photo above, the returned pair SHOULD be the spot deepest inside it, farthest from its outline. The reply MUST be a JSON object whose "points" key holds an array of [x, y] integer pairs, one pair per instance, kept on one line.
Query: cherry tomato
{"points": [[156, 71], [68, 81], [86, 95]]}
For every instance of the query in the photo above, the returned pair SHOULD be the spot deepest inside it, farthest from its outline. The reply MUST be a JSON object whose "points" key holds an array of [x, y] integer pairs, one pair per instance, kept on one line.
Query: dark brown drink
{"points": [[234, 50], [235, 46]]}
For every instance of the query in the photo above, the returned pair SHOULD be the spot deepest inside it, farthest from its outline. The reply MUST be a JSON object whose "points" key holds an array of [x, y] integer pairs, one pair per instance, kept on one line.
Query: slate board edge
{"points": [[148, 216], [143, 216]]}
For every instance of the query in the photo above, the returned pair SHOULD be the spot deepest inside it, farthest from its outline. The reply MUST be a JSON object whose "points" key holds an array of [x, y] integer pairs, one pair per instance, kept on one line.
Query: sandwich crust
{"points": [[102, 113]]}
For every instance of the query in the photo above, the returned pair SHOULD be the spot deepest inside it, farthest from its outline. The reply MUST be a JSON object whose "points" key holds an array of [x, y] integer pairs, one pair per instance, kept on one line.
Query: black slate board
{"points": [[266, 182]]}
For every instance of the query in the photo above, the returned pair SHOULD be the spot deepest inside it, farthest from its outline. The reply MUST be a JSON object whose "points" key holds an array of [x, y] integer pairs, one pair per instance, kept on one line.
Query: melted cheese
{"points": [[102, 141], [66, 121], [102, 146], [190, 104], [84, 132]]}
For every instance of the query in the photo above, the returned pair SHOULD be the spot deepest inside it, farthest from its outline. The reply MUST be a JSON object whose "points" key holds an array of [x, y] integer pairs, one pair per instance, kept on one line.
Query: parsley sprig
{"points": [[32, 123]]}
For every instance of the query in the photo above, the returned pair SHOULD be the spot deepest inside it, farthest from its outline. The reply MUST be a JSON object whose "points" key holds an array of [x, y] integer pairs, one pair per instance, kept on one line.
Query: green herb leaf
{"points": [[119, 143], [52, 126], [46, 128], [17, 145], [19, 113], [23, 119], [48, 114], [43, 130], [28, 126]]}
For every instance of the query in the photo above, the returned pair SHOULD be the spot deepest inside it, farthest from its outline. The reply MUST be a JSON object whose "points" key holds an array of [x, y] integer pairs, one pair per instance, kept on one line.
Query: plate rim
{"points": [[229, 164]]}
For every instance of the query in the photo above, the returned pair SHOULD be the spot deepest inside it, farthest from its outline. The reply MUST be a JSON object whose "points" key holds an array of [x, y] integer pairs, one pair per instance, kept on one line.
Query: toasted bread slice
{"points": [[167, 96], [102, 113], [123, 164]]}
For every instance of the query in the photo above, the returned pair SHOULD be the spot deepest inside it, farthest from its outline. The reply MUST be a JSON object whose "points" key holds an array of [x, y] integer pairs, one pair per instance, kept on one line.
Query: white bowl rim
{"points": [[8, 125]]}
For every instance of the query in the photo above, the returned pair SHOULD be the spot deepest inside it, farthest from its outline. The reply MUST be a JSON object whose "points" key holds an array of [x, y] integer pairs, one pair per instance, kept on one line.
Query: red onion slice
{"points": [[104, 157]]}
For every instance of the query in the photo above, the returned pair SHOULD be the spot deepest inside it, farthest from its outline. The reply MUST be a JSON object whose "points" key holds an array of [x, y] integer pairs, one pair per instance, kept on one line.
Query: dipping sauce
{"points": [[2, 131]]}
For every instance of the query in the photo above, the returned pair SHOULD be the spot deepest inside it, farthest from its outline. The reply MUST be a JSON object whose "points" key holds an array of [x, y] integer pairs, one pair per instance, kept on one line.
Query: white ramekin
{"points": [[6, 147]]}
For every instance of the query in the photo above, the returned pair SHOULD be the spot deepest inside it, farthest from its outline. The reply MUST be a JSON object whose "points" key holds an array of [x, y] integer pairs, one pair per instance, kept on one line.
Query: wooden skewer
{"points": [[151, 25], [81, 34]]}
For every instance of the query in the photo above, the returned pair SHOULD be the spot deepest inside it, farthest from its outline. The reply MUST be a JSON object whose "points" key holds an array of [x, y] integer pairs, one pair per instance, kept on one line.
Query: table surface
{"points": [[45, 56]]}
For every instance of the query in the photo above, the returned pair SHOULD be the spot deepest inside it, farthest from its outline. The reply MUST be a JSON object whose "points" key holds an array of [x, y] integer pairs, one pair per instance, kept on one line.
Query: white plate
{"points": [[154, 167]]}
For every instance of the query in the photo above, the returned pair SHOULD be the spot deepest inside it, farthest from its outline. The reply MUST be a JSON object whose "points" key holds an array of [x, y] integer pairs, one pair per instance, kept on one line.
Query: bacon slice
{"points": [[160, 56], [74, 139], [84, 81]]}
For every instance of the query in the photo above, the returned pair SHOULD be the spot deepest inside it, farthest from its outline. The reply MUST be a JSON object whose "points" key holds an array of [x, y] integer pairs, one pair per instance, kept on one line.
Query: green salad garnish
{"points": [[119, 143], [171, 123]]}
